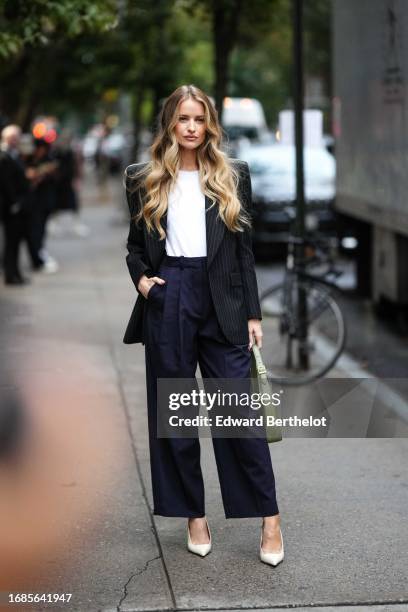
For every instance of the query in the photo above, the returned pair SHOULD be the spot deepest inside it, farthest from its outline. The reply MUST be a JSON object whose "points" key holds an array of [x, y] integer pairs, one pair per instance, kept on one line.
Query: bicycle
{"points": [[304, 313]]}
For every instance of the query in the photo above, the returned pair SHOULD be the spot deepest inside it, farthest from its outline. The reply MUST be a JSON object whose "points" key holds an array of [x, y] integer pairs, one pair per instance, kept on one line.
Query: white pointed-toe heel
{"points": [[269, 557], [199, 549]]}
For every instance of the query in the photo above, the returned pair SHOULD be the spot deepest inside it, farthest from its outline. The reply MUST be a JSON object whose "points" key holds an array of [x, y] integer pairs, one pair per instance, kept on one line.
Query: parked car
{"points": [[273, 178]]}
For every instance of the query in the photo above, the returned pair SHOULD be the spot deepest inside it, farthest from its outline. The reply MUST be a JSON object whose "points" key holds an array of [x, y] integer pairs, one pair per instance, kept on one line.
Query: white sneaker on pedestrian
{"points": [[50, 265]]}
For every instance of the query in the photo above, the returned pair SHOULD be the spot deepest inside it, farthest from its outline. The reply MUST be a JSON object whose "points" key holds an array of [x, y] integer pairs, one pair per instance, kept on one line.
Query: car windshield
{"points": [[268, 166], [237, 131]]}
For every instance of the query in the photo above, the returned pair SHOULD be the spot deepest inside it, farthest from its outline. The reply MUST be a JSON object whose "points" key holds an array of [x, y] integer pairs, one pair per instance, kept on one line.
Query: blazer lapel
{"points": [[214, 228]]}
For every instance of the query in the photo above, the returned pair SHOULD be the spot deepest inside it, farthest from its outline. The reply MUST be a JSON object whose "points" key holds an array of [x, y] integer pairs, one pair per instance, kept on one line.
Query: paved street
{"points": [[77, 513]]}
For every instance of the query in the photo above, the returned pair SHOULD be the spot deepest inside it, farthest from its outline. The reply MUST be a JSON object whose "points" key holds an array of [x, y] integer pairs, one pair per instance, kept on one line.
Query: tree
{"points": [[154, 47], [39, 22]]}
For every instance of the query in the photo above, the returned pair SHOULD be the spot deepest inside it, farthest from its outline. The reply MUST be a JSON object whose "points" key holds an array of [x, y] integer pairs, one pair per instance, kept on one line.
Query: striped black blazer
{"points": [[230, 263]]}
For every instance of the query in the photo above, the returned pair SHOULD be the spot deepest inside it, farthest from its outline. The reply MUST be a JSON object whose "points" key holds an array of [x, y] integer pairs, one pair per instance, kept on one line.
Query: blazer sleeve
{"points": [[245, 253], [135, 258]]}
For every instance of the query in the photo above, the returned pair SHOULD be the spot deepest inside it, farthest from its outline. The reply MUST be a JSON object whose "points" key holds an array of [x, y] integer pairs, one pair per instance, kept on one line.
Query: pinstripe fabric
{"points": [[230, 264]]}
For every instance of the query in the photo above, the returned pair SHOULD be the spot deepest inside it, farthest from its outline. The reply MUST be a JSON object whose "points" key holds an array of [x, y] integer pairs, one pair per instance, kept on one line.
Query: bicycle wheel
{"points": [[282, 346]]}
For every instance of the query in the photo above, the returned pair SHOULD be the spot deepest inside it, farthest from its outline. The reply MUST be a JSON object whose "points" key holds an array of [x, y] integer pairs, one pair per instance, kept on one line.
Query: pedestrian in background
{"points": [[14, 188], [41, 168], [191, 261], [68, 175]]}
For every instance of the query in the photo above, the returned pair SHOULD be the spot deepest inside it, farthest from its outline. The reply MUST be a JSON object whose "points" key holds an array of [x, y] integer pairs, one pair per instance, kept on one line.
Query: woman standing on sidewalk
{"points": [[191, 261]]}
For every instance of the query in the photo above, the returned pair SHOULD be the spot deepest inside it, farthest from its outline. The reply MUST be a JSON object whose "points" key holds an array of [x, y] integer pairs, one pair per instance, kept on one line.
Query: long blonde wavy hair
{"points": [[218, 178]]}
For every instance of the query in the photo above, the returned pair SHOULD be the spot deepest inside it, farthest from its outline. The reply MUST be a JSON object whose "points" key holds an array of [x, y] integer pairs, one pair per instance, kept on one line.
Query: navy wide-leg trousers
{"points": [[181, 330]]}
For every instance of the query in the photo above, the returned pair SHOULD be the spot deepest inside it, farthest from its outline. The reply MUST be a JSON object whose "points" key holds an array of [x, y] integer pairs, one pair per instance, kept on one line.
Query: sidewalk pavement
{"points": [[85, 504]]}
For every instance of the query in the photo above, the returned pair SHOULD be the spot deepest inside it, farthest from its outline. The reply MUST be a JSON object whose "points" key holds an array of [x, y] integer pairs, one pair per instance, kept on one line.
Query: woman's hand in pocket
{"points": [[146, 283]]}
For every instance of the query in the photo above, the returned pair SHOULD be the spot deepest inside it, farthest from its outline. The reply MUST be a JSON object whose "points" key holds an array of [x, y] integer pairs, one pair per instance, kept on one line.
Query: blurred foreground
{"points": [[75, 509]]}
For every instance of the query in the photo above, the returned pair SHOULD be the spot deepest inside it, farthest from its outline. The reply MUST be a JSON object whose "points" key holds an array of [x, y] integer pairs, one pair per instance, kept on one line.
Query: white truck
{"points": [[243, 120], [370, 125]]}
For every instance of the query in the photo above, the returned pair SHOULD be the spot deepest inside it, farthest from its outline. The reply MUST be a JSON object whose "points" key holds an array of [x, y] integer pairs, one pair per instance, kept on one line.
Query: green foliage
{"points": [[38, 22], [262, 62], [63, 55], [317, 39]]}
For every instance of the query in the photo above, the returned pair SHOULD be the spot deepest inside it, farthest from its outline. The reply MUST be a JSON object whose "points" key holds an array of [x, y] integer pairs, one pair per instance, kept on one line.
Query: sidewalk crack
{"points": [[125, 587]]}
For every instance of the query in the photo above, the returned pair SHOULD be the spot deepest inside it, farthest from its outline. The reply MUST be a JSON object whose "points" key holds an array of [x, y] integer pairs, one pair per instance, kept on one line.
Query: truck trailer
{"points": [[370, 126]]}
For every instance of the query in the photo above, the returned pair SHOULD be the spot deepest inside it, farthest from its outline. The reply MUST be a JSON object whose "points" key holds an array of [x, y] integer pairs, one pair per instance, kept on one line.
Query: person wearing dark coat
{"points": [[41, 170], [190, 260], [14, 188]]}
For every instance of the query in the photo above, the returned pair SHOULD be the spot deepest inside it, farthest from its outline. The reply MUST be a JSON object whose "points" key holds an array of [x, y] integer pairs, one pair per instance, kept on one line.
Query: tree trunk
{"points": [[226, 15], [137, 122]]}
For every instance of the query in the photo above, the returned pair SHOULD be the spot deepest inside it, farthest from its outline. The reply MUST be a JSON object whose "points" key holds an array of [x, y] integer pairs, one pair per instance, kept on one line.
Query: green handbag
{"points": [[261, 384]]}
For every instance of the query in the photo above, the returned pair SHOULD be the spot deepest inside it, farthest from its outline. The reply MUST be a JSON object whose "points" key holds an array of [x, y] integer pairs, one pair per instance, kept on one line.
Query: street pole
{"points": [[300, 196]]}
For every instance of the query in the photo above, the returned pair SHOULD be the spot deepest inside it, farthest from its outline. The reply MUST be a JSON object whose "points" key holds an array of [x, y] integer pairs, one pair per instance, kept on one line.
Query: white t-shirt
{"points": [[186, 234]]}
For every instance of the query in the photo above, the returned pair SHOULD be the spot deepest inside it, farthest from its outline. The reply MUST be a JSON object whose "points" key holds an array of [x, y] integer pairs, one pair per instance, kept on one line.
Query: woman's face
{"points": [[190, 127]]}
